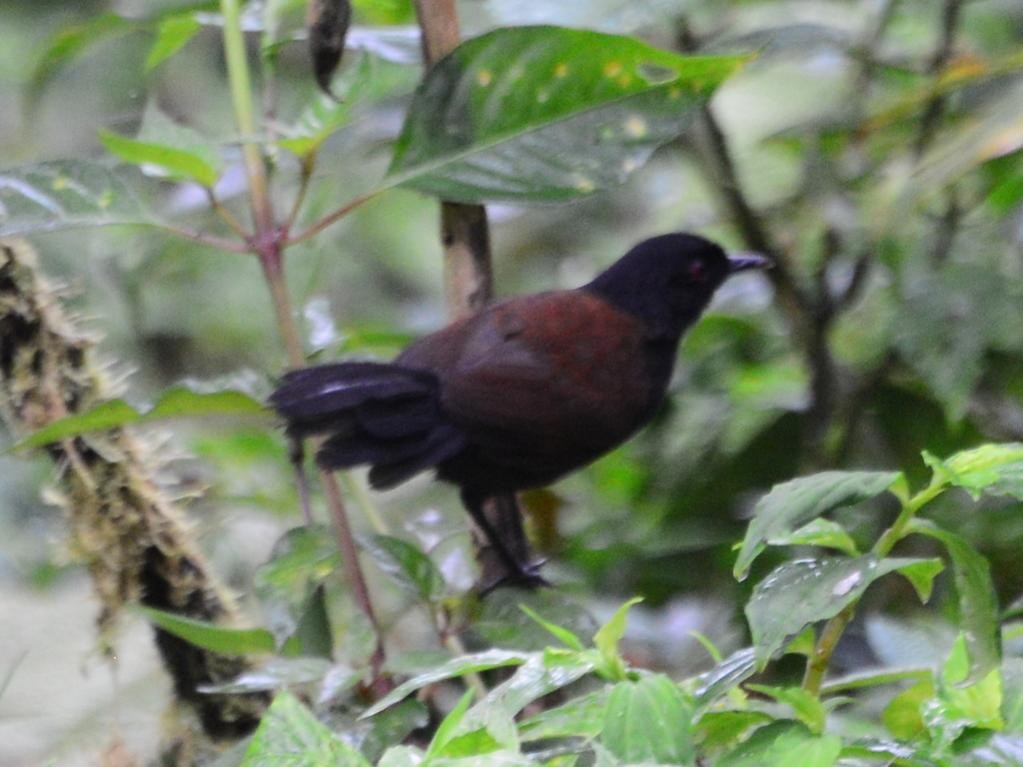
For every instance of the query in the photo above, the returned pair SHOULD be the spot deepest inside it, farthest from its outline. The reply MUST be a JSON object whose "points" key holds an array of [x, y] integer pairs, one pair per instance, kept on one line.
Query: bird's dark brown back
{"points": [[539, 385]]}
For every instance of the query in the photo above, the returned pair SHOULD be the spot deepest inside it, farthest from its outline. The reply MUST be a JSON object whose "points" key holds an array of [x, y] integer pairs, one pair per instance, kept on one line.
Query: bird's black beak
{"points": [[740, 262]]}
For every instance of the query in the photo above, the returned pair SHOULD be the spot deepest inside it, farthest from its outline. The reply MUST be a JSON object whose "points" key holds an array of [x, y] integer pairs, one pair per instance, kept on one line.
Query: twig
{"points": [[861, 269], [947, 226], [241, 96], [332, 218], [934, 110], [209, 240], [227, 216]]}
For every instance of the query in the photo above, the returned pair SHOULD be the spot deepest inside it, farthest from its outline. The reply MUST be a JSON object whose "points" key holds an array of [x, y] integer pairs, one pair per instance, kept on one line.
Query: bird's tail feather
{"points": [[374, 413]]}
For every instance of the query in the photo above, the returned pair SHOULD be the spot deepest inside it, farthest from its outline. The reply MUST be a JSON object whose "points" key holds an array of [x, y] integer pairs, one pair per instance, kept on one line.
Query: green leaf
{"points": [[72, 40], [220, 639], [805, 705], [921, 575], [537, 677], [649, 720], [175, 402], [607, 638], [289, 587], [460, 666], [393, 726], [582, 717], [276, 674], [978, 602], [861, 679], [784, 744], [805, 591], [406, 565], [546, 113], [49, 196], [290, 736], [995, 469], [902, 715], [370, 80], [794, 503], [720, 729], [178, 164], [976, 704], [731, 672], [818, 532], [401, 756], [448, 726], [172, 35], [562, 634]]}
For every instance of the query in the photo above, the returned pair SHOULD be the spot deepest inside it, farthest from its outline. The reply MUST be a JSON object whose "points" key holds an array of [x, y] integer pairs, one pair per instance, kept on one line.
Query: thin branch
{"points": [[861, 270], [332, 218], [227, 216], [946, 229], [210, 240], [241, 97], [308, 161], [935, 107], [353, 571]]}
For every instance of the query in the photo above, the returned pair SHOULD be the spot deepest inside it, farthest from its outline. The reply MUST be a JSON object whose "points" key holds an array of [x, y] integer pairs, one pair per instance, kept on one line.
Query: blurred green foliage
{"points": [[873, 148]]}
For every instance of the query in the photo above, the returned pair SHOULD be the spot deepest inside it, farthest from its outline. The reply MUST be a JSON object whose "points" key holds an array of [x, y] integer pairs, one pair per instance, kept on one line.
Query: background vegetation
{"points": [[873, 149]]}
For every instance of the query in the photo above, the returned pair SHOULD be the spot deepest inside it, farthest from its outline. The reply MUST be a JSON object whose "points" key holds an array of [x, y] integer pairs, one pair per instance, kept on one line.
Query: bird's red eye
{"points": [[697, 271]]}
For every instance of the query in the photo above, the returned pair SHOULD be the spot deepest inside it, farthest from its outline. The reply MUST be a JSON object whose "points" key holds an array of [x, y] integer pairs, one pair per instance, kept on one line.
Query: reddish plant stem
{"points": [[268, 242]]}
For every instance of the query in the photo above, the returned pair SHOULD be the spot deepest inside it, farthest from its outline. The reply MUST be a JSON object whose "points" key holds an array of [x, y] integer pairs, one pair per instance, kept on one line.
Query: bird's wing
{"points": [[563, 367]]}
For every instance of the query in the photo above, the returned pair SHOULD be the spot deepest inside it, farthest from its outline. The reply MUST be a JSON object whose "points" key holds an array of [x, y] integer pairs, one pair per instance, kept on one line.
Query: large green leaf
{"points": [[48, 196], [177, 164], [172, 35], [806, 706], [221, 639], [805, 591], [649, 720], [290, 736], [794, 503], [369, 80], [290, 590], [546, 113], [784, 744], [582, 716], [978, 602], [176, 401], [74, 39], [996, 469], [732, 671], [460, 666], [537, 677], [406, 565]]}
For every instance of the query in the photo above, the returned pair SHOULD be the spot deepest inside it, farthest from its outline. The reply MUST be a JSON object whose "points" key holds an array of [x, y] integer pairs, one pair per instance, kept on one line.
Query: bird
{"points": [[525, 391]]}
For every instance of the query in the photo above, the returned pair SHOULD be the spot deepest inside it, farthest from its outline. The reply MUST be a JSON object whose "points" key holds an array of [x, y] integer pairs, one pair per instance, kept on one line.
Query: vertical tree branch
{"points": [[468, 283]]}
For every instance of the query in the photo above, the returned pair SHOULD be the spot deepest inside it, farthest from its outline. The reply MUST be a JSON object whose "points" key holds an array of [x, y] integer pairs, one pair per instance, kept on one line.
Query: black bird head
{"points": [[667, 281]]}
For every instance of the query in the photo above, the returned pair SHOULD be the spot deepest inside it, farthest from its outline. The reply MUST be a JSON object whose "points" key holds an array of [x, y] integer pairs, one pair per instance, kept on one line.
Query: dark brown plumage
{"points": [[522, 393]]}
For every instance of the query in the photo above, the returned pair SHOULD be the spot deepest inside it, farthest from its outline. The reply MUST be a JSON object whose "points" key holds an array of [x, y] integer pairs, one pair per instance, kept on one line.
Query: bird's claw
{"points": [[525, 576]]}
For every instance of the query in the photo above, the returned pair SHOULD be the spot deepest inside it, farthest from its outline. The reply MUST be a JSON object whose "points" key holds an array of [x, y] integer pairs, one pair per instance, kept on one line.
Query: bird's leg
{"points": [[518, 571], [296, 454]]}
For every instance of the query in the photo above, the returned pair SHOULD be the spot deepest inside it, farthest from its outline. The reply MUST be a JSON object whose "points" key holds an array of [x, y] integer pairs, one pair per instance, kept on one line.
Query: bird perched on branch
{"points": [[522, 393]]}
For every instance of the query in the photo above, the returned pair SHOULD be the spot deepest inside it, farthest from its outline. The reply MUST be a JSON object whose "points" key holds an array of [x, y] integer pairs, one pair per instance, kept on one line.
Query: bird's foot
{"points": [[524, 576]]}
